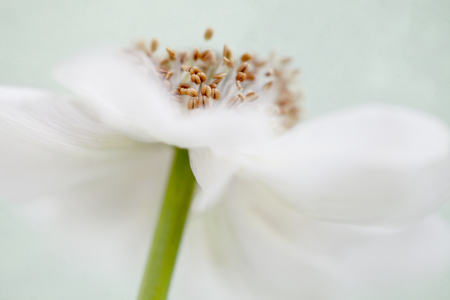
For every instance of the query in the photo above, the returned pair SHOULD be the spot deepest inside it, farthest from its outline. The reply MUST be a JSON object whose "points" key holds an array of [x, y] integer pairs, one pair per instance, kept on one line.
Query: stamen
{"points": [[206, 90], [229, 62], [252, 96], [141, 46], [227, 52], [245, 57], [241, 76], [250, 76], [154, 45], [268, 85], [233, 101], [168, 75], [207, 55], [192, 103], [285, 60], [238, 85], [184, 85], [197, 76], [266, 81], [192, 92], [171, 52], [195, 79], [220, 75], [186, 68], [183, 56], [196, 54], [203, 101], [208, 34], [242, 68], [217, 81], [162, 70], [215, 93]]}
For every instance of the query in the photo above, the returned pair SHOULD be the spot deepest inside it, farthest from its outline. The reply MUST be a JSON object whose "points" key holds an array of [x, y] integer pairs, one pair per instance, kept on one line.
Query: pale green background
{"points": [[349, 51]]}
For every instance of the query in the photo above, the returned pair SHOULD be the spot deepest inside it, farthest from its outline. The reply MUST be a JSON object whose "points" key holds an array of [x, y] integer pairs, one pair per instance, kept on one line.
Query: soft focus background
{"points": [[349, 52]]}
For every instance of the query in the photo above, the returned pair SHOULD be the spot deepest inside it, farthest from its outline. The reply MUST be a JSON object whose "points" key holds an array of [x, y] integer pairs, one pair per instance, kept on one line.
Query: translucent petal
{"points": [[369, 165], [213, 174], [253, 247]]}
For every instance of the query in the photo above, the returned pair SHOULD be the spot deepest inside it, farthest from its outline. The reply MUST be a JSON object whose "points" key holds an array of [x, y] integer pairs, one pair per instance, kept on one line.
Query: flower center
{"points": [[211, 80]]}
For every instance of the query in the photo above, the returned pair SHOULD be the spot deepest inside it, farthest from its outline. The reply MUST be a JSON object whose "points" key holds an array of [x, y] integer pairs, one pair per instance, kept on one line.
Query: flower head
{"points": [[187, 98], [102, 156]]}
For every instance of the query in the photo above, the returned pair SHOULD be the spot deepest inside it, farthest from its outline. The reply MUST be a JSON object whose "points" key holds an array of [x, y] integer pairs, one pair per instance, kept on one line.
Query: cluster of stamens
{"points": [[194, 79]]}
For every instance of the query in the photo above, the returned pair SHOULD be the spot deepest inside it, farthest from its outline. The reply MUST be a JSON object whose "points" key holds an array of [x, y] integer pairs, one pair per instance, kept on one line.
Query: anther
{"points": [[250, 76], [154, 45], [171, 53], [183, 56], [206, 91], [268, 85], [192, 92], [184, 85], [196, 54], [285, 60], [232, 101], [203, 102], [246, 56], [162, 70], [243, 68], [227, 52], [241, 76], [258, 63], [195, 79], [269, 72], [213, 85], [228, 62], [238, 85], [206, 55], [220, 75], [168, 75], [252, 96], [202, 76], [141, 46], [208, 34], [192, 103], [215, 93]]}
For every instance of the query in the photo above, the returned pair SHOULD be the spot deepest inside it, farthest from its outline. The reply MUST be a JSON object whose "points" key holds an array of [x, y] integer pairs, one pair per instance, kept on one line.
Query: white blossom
{"points": [[96, 165]]}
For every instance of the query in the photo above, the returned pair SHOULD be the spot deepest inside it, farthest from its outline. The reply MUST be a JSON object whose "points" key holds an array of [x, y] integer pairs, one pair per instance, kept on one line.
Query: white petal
{"points": [[370, 165], [252, 247], [62, 166], [130, 96], [108, 218], [49, 143], [53, 120], [213, 174]]}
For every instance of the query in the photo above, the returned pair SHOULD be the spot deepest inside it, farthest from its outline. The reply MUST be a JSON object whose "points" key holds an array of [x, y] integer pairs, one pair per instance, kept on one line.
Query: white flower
{"points": [[95, 165]]}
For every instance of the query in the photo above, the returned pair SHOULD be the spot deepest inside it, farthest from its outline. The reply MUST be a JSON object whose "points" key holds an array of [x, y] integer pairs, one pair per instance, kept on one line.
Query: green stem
{"points": [[161, 260]]}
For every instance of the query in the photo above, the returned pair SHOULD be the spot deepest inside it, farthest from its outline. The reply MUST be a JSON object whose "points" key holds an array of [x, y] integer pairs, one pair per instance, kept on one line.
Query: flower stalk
{"points": [[158, 272]]}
